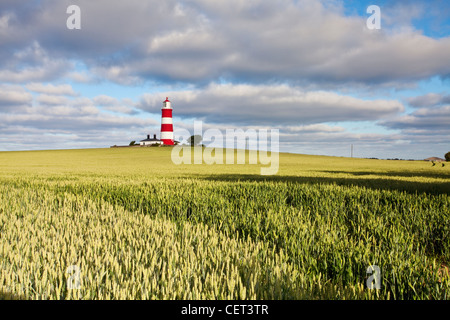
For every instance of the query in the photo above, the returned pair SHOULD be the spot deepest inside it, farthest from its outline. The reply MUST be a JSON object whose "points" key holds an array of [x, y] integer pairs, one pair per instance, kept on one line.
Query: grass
{"points": [[140, 227]]}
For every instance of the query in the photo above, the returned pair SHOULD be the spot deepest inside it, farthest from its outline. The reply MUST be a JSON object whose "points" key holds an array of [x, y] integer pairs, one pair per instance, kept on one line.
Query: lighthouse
{"points": [[166, 123]]}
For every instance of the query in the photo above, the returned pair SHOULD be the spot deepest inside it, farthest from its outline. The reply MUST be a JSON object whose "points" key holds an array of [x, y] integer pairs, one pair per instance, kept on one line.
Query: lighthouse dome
{"points": [[166, 104]]}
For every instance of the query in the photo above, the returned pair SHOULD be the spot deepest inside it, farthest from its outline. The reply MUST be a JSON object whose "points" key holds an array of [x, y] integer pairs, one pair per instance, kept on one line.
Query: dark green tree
{"points": [[447, 156], [195, 140], [132, 143]]}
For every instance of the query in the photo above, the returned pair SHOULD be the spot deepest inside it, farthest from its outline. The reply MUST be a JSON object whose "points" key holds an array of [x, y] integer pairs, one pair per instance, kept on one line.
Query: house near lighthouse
{"points": [[150, 141]]}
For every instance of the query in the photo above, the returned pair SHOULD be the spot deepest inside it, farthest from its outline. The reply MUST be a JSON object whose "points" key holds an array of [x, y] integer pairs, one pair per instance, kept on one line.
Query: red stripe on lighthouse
{"points": [[166, 113], [168, 142], [166, 127]]}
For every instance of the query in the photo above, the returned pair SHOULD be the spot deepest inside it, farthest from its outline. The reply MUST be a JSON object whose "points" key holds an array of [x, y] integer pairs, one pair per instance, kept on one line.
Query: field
{"points": [[129, 224]]}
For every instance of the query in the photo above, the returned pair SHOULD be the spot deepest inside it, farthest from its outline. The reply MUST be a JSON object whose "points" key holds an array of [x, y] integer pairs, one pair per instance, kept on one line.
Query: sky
{"points": [[313, 69]]}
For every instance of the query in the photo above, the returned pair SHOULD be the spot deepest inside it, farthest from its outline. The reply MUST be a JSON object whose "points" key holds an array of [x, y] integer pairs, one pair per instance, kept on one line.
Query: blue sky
{"points": [[310, 68]]}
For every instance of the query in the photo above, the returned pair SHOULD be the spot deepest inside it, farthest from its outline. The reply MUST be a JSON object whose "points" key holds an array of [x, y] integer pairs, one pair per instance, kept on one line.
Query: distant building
{"points": [[435, 159], [150, 141]]}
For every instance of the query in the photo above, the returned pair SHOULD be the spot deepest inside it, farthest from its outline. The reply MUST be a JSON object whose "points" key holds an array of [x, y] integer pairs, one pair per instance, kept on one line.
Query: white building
{"points": [[149, 141]]}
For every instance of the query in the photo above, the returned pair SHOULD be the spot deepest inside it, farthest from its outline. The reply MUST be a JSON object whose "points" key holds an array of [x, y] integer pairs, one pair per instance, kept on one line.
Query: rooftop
{"points": [[151, 139]]}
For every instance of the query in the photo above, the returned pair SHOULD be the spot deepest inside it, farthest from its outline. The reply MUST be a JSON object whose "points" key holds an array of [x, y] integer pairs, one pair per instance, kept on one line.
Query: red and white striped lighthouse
{"points": [[166, 123]]}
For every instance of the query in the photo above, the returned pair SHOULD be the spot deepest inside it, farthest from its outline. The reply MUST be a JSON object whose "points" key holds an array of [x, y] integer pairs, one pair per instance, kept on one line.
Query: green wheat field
{"points": [[127, 223]]}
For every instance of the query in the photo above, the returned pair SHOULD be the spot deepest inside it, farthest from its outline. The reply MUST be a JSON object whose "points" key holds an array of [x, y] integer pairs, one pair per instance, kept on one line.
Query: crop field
{"points": [[127, 223]]}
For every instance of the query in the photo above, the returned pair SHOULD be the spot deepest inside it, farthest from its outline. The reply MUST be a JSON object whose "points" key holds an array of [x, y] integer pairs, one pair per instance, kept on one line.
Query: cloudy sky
{"points": [[311, 68]]}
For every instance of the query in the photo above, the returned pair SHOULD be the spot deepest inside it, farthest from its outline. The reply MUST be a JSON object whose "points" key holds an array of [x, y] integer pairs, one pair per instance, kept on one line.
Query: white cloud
{"points": [[313, 128], [114, 105], [14, 98], [4, 23], [81, 77], [63, 89], [45, 99], [429, 100], [198, 41], [424, 121], [32, 64], [104, 100], [270, 104]]}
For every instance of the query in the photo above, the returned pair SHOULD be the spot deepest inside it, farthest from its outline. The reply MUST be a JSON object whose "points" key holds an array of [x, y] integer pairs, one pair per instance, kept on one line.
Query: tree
{"points": [[447, 156], [195, 140], [132, 143]]}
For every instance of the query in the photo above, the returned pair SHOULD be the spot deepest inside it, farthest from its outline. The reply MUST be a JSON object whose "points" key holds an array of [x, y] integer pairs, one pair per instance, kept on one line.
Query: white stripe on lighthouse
{"points": [[166, 135]]}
